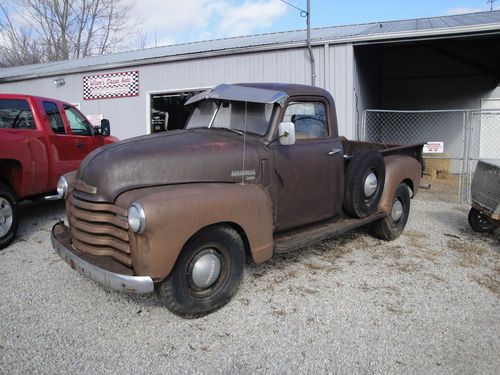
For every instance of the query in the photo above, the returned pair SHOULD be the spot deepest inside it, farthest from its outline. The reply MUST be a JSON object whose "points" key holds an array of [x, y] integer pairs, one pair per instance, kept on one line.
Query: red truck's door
{"points": [[311, 170], [81, 132], [64, 152]]}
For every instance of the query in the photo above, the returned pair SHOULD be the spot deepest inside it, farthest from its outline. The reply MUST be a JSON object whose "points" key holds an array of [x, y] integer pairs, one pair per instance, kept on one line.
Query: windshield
{"points": [[231, 115]]}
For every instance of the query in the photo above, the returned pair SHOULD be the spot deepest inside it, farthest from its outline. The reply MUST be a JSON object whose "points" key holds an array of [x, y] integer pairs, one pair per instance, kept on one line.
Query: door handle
{"points": [[334, 151], [79, 145]]}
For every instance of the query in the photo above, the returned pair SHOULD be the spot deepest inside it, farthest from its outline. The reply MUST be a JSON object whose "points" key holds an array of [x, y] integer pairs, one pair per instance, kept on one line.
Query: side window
{"points": [[54, 117], [78, 124], [309, 119], [16, 114]]}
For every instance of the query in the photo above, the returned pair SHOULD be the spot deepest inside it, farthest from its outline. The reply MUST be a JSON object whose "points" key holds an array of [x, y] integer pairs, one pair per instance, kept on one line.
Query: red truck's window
{"points": [[309, 119], [78, 124], [54, 117], [16, 114]]}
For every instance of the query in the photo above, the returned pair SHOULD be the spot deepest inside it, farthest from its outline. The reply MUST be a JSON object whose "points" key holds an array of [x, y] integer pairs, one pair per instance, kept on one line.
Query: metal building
{"points": [[431, 63]]}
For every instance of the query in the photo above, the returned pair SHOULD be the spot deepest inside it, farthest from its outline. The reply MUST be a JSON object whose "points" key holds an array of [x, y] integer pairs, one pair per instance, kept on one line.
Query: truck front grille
{"points": [[99, 229]]}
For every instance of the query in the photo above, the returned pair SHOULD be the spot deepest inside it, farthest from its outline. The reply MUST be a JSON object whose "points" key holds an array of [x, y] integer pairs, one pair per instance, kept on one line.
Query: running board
{"points": [[306, 236]]}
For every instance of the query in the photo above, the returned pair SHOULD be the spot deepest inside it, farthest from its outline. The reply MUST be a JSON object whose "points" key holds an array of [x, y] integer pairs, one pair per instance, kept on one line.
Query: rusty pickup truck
{"points": [[259, 169]]}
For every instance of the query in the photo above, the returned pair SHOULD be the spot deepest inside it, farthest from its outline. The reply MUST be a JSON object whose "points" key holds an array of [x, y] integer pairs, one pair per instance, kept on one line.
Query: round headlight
{"points": [[136, 218], [62, 187]]}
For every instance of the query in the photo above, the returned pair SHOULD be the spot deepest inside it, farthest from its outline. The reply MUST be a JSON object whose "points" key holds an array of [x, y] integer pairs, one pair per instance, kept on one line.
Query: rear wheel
{"points": [[480, 222], [390, 227], [206, 275], [9, 216]]}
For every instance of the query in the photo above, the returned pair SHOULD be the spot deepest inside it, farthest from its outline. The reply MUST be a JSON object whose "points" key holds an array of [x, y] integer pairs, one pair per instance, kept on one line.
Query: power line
{"points": [[303, 13]]}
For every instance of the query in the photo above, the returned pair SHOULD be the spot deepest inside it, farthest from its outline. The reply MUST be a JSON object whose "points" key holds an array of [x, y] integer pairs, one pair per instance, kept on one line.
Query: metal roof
{"points": [[376, 31]]}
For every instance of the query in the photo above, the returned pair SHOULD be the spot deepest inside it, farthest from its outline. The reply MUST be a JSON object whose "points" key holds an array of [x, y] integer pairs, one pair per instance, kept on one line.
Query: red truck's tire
{"points": [[479, 222], [181, 294], [390, 227], [9, 216], [368, 164]]}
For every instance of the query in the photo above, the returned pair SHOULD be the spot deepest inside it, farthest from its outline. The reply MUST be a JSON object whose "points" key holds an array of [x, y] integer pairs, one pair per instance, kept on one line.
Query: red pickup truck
{"points": [[40, 140]]}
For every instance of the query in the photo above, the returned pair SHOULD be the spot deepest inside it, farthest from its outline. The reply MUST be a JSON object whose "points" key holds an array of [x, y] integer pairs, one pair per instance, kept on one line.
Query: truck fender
{"points": [[398, 169], [175, 213]]}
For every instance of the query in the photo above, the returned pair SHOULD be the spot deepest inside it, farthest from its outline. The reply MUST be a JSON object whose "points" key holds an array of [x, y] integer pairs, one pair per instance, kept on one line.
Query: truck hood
{"points": [[176, 157]]}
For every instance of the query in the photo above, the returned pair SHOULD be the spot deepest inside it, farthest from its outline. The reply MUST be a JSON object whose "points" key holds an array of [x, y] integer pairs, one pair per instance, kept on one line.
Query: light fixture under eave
{"points": [[59, 82]]}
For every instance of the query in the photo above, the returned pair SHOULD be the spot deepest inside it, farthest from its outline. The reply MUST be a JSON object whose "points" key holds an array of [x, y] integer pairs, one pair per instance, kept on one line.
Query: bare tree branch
{"points": [[51, 30]]}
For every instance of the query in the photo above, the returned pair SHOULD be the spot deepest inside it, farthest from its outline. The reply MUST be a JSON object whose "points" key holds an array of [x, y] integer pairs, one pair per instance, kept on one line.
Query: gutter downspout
{"points": [[311, 56]]}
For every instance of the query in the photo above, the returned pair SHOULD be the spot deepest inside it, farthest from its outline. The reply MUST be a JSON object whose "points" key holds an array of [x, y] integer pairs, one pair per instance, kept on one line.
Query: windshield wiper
{"points": [[230, 129]]}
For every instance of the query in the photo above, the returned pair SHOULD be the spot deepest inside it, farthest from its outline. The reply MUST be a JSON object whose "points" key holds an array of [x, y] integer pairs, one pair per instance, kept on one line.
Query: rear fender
{"points": [[175, 213], [398, 169]]}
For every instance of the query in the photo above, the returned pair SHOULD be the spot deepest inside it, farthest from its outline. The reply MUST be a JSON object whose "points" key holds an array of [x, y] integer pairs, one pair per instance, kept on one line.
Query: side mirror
{"points": [[105, 128], [287, 133]]}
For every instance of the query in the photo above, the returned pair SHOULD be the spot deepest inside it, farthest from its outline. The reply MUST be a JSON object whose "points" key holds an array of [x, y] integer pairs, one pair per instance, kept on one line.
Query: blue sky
{"points": [[176, 21]]}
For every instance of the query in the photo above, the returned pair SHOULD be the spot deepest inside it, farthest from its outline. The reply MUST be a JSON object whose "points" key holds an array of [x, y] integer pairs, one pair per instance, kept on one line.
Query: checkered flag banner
{"points": [[112, 85]]}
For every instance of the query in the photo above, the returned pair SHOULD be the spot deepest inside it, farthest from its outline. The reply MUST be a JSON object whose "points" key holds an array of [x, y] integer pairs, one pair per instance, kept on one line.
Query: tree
{"points": [[38, 31]]}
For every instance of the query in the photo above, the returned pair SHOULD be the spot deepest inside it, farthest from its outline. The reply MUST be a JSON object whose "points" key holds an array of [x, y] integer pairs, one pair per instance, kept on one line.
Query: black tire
{"points": [[390, 228], [178, 291], [356, 202], [9, 216], [479, 222]]}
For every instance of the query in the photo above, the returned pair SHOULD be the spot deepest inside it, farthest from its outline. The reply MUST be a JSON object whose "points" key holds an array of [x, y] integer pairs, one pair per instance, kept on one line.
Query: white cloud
{"points": [[243, 19], [191, 20], [464, 10]]}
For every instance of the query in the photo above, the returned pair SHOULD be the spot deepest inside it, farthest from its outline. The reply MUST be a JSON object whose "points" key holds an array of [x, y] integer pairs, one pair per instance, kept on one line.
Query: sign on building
{"points": [[112, 85]]}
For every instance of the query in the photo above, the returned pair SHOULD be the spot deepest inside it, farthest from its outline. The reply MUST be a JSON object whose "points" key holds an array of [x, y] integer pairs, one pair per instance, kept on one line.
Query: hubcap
{"points": [[370, 184], [5, 216], [206, 269], [397, 210]]}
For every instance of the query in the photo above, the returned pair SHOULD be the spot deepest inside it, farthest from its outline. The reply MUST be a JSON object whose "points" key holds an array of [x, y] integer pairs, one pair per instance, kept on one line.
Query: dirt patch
{"points": [[469, 253], [415, 239], [490, 281]]}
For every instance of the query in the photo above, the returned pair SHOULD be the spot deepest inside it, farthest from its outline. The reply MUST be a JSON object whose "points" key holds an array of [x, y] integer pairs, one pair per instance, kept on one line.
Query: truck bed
{"points": [[352, 148]]}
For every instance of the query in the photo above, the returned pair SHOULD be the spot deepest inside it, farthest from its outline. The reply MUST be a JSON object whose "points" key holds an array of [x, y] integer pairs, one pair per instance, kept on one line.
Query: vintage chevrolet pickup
{"points": [[259, 169]]}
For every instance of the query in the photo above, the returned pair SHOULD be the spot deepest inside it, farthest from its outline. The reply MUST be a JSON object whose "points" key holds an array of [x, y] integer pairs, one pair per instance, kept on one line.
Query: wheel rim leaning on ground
{"points": [[390, 227], [479, 222], [206, 275], [9, 218]]}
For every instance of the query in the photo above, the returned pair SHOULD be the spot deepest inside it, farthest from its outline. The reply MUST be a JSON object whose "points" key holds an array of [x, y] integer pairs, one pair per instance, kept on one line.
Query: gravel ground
{"points": [[428, 302]]}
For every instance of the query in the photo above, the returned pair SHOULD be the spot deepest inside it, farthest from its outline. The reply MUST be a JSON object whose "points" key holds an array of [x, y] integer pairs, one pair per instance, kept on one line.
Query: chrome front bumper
{"points": [[87, 265]]}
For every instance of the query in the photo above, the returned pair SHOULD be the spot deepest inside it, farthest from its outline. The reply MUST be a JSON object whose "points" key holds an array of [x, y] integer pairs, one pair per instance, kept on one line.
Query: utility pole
{"points": [[311, 55], [307, 14], [491, 3]]}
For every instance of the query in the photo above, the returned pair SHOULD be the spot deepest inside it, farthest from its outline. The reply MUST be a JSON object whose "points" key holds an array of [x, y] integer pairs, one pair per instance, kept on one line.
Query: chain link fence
{"points": [[466, 136]]}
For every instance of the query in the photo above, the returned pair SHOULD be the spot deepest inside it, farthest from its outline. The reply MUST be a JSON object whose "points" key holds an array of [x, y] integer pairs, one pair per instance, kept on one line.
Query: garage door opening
{"points": [[420, 91], [168, 112]]}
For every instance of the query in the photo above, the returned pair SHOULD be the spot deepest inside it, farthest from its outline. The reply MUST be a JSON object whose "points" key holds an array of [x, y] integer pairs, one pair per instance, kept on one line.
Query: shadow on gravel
{"points": [[38, 214]]}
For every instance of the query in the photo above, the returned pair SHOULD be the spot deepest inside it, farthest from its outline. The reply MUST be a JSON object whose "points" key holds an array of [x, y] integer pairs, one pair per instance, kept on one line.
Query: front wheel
{"points": [[480, 222], [9, 216], [207, 273], [390, 227]]}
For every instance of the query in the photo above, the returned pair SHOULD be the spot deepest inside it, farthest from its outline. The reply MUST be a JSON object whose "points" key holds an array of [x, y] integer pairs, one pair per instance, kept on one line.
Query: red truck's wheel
{"points": [[390, 227], [364, 183], [480, 222], [206, 275], [9, 217]]}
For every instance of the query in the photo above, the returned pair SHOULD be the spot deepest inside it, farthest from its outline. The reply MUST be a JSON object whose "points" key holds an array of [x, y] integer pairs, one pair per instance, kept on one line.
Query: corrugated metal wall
{"points": [[128, 116]]}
